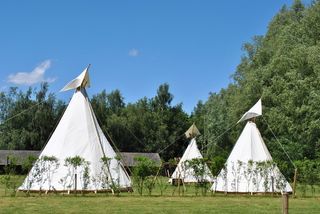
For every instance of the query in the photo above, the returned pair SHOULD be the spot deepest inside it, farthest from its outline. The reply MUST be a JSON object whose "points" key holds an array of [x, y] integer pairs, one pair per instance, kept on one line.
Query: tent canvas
{"points": [[185, 173], [77, 134]]}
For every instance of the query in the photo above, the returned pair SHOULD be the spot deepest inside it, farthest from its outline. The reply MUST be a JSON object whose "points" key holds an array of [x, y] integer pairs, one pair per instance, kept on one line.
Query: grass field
{"points": [[168, 203]]}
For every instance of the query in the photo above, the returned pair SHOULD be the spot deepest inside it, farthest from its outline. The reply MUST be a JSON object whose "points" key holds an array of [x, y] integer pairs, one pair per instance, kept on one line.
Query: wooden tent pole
{"points": [[179, 181], [75, 183], [94, 120], [295, 182], [155, 178], [182, 180], [285, 203]]}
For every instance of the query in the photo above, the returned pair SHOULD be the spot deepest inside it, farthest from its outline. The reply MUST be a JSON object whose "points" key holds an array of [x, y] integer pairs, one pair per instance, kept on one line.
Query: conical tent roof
{"points": [[77, 134], [186, 173], [249, 167]]}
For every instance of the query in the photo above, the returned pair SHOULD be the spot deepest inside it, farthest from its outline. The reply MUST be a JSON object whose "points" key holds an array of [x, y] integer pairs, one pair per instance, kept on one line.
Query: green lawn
{"points": [[133, 203]]}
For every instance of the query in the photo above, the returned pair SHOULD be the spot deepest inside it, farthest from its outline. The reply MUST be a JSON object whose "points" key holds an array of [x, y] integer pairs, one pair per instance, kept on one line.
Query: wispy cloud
{"points": [[33, 77], [3, 88], [134, 52]]}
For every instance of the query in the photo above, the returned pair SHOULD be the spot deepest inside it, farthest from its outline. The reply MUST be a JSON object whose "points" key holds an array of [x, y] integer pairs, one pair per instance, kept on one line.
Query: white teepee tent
{"points": [[249, 168], [185, 172], [77, 134]]}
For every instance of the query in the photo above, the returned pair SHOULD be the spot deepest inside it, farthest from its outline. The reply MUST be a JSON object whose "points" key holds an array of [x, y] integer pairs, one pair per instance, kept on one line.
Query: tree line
{"points": [[282, 67], [148, 125]]}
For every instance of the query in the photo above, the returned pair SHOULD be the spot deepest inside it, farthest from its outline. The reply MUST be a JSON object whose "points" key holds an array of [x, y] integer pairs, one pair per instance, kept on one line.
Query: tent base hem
{"points": [[175, 182], [250, 193], [127, 189]]}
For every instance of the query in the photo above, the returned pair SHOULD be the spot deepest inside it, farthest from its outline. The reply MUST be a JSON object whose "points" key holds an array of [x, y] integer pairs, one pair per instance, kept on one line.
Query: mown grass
{"points": [[134, 204], [168, 203]]}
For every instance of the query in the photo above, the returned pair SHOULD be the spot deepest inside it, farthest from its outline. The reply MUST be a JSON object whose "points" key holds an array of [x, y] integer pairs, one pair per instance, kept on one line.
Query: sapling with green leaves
{"points": [[144, 168], [162, 184], [224, 173], [248, 173], [258, 173], [85, 178], [217, 164], [150, 184], [116, 184], [76, 167], [35, 175], [199, 171], [234, 176], [28, 163], [41, 173], [8, 179], [105, 176], [265, 167], [238, 174], [51, 164]]}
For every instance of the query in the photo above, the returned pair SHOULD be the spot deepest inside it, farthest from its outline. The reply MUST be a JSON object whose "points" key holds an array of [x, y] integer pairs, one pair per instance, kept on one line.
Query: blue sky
{"points": [[133, 45]]}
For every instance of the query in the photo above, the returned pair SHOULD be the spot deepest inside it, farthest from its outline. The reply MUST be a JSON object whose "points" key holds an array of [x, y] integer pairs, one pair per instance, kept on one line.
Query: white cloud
{"points": [[33, 77], [134, 52]]}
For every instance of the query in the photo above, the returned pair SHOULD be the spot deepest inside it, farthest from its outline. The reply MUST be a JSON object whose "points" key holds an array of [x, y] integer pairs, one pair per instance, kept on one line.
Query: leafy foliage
{"points": [[143, 172], [308, 173], [200, 172], [283, 68], [28, 163], [28, 118], [8, 180], [149, 125]]}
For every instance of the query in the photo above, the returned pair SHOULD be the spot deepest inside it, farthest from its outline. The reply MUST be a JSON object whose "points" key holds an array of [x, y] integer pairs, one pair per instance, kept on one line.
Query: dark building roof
{"points": [[21, 155], [128, 157]]}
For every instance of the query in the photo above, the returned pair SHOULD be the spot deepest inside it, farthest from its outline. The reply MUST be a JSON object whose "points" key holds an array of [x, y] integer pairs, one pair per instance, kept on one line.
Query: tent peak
{"points": [[81, 81], [192, 132], [255, 111]]}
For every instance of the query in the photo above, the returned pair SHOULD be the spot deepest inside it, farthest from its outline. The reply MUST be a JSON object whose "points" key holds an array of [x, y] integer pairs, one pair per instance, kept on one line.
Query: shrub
{"points": [[28, 163], [200, 171], [9, 179], [308, 174], [144, 168]]}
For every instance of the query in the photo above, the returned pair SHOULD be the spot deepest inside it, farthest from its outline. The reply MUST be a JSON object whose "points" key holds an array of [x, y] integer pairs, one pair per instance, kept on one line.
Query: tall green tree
{"points": [[28, 118], [282, 67]]}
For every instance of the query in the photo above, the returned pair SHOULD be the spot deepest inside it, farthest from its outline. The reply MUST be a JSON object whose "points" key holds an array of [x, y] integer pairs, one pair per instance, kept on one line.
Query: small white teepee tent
{"points": [[183, 171], [77, 134], [249, 168]]}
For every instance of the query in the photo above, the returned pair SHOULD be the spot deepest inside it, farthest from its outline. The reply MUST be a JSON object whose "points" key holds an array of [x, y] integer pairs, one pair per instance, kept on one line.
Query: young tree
{"points": [[143, 171]]}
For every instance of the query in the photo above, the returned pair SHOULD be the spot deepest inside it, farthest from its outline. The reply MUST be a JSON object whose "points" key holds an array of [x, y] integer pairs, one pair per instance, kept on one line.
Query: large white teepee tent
{"points": [[183, 171], [78, 134], [249, 168]]}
